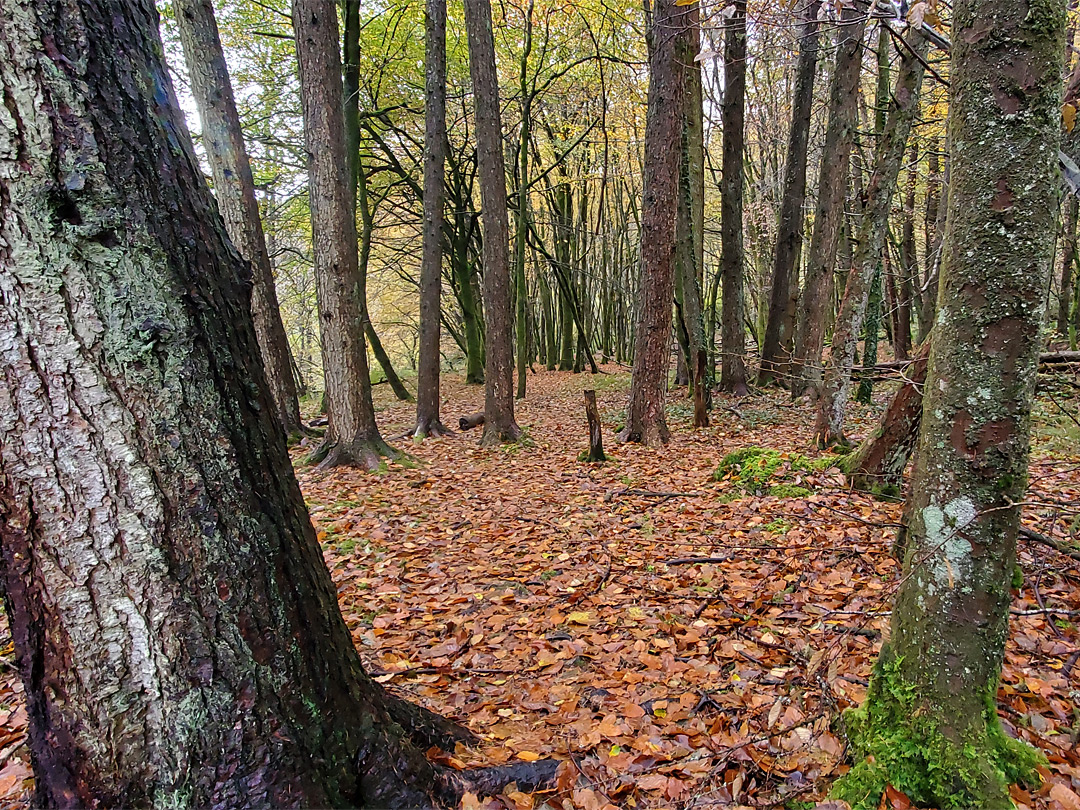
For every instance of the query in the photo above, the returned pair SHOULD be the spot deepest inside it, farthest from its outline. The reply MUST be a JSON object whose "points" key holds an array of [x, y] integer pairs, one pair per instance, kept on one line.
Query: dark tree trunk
{"points": [[843, 117], [646, 422], [596, 433], [929, 726], [869, 241], [907, 298], [499, 424], [778, 339], [352, 437], [176, 628], [732, 329], [361, 199], [521, 213], [879, 462], [428, 422], [234, 189]]}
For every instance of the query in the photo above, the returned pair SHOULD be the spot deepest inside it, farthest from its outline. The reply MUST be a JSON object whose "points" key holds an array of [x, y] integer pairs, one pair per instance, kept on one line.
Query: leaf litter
{"points": [[557, 608]]}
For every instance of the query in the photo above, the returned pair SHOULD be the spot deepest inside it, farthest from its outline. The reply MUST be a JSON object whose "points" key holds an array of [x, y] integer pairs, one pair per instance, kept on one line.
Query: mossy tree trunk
{"points": [[352, 436], [929, 725], [177, 631], [869, 242], [646, 422]]}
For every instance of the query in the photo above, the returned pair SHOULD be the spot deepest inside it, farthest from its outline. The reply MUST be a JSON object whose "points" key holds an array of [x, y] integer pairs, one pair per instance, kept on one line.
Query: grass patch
{"points": [[763, 471]]}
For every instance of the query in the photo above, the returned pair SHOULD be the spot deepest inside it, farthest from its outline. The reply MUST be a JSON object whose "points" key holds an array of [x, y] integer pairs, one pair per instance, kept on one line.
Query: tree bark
{"points": [[428, 422], [733, 330], [789, 230], [521, 214], [929, 726], [177, 631], [870, 240], [359, 189], [234, 189], [499, 424], [596, 433], [1068, 262], [352, 436], [646, 422], [818, 289]]}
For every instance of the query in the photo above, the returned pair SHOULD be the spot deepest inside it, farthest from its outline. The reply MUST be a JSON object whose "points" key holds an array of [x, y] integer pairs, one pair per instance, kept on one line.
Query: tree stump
{"points": [[596, 438]]}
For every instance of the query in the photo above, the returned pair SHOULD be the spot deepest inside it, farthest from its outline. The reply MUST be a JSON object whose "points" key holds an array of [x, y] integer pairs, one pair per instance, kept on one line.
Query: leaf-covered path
{"points": [[553, 606]]}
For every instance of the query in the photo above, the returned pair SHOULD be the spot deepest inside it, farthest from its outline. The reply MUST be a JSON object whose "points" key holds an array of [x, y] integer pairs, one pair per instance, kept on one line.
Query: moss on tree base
{"points": [[924, 752]]}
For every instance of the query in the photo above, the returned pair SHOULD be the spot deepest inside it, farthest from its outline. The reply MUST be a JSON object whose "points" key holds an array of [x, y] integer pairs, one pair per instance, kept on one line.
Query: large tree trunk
{"points": [[929, 725], [499, 424], [732, 329], [869, 241], [789, 231], [428, 422], [177, 631], [843, 117], [352, 437], [646, 422], [234, 188]]}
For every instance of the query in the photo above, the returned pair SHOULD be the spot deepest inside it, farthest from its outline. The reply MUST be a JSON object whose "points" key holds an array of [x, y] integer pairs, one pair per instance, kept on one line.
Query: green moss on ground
{"points": [[764, 471], [900, 741]]}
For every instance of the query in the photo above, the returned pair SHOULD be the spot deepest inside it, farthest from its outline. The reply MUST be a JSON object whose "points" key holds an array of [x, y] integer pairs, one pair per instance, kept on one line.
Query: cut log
{"points": [[596, 437], [471, 421]]}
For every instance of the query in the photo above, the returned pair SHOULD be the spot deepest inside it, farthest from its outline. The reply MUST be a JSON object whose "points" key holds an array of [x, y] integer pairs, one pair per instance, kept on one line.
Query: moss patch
{"points": [[764, 471], [900, 741]]}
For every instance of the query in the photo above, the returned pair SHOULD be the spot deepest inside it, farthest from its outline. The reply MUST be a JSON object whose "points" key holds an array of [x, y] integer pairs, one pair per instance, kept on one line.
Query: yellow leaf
{"points": [[685, 2], [1068, 116], [528, 756], [579, 617]]}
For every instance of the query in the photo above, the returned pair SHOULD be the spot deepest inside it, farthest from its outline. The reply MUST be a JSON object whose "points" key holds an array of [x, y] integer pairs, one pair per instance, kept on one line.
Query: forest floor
{"points": [[553, 606]]}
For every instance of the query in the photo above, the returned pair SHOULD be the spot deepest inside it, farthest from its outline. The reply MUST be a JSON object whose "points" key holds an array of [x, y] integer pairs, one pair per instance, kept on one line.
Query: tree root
{"points": [[426, 727]]}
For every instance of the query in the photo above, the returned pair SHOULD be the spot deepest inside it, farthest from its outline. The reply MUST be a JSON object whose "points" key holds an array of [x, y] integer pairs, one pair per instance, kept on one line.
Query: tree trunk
{"points": [[499, 424], [911, 293], [733, 330], [234, 188], [176, 628], [929, 726], [789, 229], [522, 212], [352, 437], [878, 464], [1068, 262], [870, 240], [828, 218], [646, 422], [596, 433], [428, 421]]}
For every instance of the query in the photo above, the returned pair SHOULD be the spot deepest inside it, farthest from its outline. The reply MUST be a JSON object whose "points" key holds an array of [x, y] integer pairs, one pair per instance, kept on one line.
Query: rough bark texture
{"points": [[929, 725], [869, 241], [1068, 262], [789, 232], [352, 437], [596, 433], [234, 189], [359, 191], [645, 419], [499, 424], [732, 257], [843, 118], [879, 462], [177, 631], [427, 372]]}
